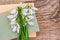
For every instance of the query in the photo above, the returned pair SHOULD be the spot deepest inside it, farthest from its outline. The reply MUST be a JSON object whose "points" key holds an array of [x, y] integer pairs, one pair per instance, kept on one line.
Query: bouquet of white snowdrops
{"points": [[20, 17]]}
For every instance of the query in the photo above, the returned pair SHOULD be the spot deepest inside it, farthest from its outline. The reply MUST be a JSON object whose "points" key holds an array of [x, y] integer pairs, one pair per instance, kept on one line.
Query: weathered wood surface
{"points": [[48, 17]]}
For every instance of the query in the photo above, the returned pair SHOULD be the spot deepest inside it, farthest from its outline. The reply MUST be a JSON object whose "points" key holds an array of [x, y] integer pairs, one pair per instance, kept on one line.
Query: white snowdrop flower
{"points": [[13, 20], [10, 19], [13, 25], [15, 15], [11, 16], [34, 8], [17, 12], [14, 29], [24, 13], [17, 30], [18, 25], [13, 11], [30, 17], [31, 11], [30, 23], [25, 10]]}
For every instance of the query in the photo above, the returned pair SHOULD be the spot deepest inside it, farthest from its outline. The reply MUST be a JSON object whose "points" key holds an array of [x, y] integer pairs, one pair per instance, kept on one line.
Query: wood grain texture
{"points": [[48, 17], [47, 8]]}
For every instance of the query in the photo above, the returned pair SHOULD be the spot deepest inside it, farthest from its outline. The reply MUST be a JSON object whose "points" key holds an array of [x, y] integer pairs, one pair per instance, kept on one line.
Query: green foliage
{"points": [[23, 32], [28, 6]]}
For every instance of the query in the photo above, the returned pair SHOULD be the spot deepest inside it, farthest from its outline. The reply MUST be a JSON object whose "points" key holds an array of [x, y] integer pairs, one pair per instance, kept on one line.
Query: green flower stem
{"points": [[23, 32]]}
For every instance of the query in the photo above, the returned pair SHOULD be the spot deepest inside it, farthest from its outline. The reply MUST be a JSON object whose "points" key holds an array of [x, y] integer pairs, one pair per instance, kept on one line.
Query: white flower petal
{"points": [[30, 23], [30, 17], [14, 29], [13, 11], [25, 10], [10, 19], [18, 25], [24, 13], [15, 15], [13, 25], [13, 20], [17, 30], [11, 16], [31, 11]]}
